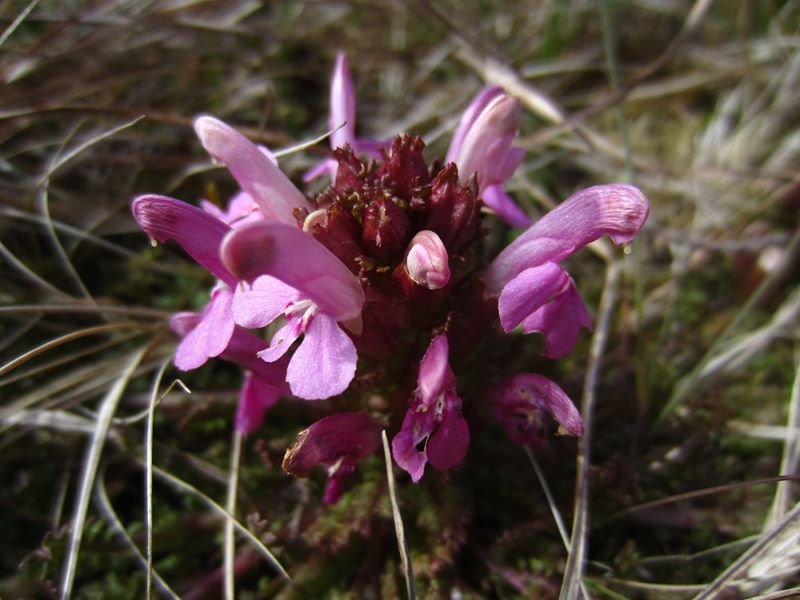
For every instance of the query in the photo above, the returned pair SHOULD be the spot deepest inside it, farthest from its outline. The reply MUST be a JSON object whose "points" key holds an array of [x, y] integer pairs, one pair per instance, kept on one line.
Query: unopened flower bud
{"points": [[427, 261]]}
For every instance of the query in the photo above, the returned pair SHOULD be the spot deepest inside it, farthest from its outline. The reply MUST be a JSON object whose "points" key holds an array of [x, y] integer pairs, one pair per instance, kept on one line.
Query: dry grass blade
{"points": [[790, 462], [54, 343], [148, 474], [17, 22], [402, 546], [44, 208], [190, 489], [104, 503], [791, 593], [573, 573], [128, 311], [107, 408], [72, 357], [84, 146], [28, 273], [230, 506], [751, 554], [562, 530]]}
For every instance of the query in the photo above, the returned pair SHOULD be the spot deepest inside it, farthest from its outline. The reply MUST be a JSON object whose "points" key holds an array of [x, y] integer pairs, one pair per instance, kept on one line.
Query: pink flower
{"points": [[264, 383], [533, 289], [521, 403], [336, 443], [342, 121], [434, 417], [200, 234], [292, 274], [481, 146]]}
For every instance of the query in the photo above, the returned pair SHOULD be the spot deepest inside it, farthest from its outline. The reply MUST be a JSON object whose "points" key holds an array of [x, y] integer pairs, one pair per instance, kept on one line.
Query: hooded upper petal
{"points": [[617, 210], [337, 443], [298, 260], [521, 402], [199, 233], [275, 194]]}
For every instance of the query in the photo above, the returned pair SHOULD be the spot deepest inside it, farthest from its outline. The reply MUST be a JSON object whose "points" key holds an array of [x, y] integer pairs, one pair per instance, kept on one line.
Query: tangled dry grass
{"points": [[684, 485]]}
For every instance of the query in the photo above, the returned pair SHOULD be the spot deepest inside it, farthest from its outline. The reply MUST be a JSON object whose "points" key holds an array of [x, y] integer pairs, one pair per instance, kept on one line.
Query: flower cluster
{"points": [[381, 272]]}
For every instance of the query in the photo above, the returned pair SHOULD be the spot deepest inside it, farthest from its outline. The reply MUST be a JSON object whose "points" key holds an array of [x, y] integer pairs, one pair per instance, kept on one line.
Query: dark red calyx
{"points": [[452, 210], [386, 230]]}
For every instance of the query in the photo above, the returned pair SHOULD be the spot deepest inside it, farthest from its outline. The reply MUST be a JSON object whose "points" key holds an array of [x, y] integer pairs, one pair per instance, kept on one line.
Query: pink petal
{"points": [[283, 339], [260, 304], [243, 350], [275, 194], [183, 322], [199, 233], [343, 104], [255, 398], [325, 363], [486, 149], [501, 204], [298, 260], [448, 446], [476, 107], [529, 290], [560, 321], [327, 166], [416, 427], [371, 148], [617, 210], [241, 209], [211, 335], [427, 262], [434, 370]]}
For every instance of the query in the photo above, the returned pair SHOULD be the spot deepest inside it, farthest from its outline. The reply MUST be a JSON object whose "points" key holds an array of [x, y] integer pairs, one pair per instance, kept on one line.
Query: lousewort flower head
{"points": [[381, 279]]}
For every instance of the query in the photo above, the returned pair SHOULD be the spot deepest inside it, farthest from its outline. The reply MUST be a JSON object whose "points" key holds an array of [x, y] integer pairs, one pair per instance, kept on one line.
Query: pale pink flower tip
{"points": [[427, 261]]}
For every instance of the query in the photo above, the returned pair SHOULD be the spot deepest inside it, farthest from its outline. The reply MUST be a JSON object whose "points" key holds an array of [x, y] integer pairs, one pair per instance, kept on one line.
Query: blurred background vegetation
{"points": [[695, 102]]}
